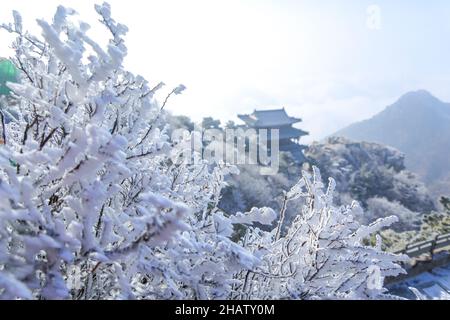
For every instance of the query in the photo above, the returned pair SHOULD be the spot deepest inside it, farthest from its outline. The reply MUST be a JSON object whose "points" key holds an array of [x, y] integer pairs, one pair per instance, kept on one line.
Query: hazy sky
{"points": [[328, 62]]}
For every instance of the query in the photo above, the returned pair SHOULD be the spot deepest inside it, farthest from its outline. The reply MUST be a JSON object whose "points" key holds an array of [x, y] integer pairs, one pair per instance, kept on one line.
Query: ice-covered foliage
{"points": [[249, 188], [321, 256], [95, 204], [381, 207]]}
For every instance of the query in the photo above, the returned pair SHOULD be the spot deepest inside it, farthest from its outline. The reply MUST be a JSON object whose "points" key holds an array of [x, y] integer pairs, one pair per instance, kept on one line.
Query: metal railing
{"points": [[426, 247]]}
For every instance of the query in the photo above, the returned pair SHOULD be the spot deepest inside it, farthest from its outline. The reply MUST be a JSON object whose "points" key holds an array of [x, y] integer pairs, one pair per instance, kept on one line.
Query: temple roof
{"points": [[268, 118], [287, 133], [290, 132]]}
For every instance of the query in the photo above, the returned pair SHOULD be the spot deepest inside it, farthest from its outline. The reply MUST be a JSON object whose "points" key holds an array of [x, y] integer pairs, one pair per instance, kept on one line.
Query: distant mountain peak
{"points": [[418, 94], [418, 97], [417, 124]]}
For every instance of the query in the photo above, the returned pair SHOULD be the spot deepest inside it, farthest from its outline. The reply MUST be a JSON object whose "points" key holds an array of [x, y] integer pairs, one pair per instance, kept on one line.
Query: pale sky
{"points": [[328, 62]]}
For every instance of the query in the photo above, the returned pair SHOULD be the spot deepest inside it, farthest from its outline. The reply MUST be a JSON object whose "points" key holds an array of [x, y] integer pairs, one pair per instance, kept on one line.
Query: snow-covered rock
{"points": [[375, 175]]}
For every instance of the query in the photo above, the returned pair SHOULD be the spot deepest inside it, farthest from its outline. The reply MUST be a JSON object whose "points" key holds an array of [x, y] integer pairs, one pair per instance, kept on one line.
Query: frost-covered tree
{"points": [[249, 188], [432, 225], [322, 255], [210, 123], [95, 202], [381, 207]]}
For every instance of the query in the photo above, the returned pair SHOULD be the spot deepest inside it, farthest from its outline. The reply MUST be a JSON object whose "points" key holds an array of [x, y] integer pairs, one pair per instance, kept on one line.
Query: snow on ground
{"points": [[434, 284]]}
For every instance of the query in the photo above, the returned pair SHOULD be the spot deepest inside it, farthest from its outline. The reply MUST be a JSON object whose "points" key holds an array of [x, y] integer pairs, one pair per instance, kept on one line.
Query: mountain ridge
{"points": [[417, 124]]}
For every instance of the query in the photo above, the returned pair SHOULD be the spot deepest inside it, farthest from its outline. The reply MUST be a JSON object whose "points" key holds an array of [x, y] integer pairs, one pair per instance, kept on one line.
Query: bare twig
{"points": [[2, 123]]}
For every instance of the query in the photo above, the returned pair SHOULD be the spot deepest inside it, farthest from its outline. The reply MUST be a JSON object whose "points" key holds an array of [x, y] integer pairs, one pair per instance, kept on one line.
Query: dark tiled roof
{"points": [[290, 132], [268, 118]]}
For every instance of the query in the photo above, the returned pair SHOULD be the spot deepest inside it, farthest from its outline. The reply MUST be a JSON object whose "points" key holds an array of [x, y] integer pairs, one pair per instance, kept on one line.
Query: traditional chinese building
{"points": [[289, 137]]}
